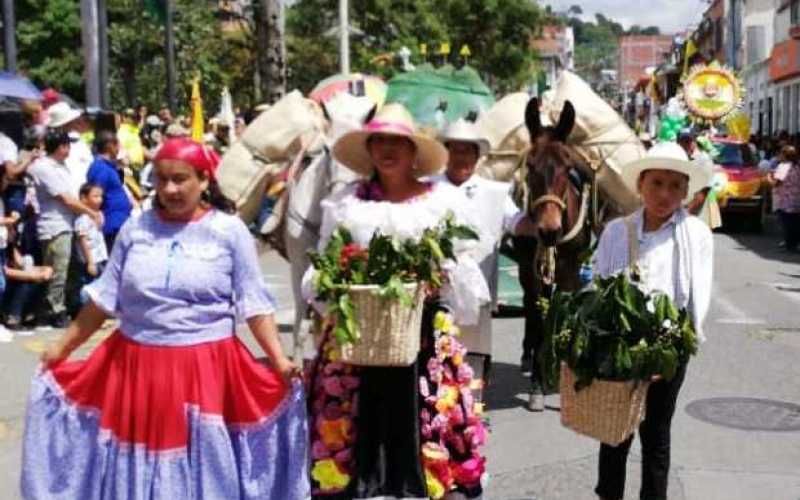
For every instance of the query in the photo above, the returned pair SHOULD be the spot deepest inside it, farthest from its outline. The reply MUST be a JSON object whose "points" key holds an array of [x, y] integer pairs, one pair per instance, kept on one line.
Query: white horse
{"points": [[321, 178]]}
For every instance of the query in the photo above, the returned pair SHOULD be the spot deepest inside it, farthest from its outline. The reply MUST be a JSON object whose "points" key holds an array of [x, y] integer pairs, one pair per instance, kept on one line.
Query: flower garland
{"points": [[450, 420], [451, 424], [333, 433]]}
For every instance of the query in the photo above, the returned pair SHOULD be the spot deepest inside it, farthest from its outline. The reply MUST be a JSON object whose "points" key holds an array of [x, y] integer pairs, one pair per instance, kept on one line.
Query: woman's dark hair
{"points": [[103, 140], [214, 197], [54, 140]]}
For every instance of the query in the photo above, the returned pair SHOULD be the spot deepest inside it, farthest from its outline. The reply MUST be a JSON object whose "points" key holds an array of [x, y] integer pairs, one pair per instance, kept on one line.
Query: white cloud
{"points": [[670, 16]]}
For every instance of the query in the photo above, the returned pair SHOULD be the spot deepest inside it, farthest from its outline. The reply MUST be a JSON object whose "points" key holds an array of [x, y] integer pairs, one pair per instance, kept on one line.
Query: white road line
{"points": [[732, 314]]}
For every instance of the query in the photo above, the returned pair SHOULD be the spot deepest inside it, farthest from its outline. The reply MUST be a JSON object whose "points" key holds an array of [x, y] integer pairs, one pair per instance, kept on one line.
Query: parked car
{"points": [[744, 192]]}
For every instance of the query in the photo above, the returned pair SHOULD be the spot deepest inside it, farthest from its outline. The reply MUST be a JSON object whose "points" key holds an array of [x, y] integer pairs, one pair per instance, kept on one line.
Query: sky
{"points": [[670, 16]]}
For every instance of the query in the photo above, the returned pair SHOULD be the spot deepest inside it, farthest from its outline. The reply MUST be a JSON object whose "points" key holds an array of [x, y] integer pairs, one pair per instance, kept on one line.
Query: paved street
{"points": [[752, 352]]}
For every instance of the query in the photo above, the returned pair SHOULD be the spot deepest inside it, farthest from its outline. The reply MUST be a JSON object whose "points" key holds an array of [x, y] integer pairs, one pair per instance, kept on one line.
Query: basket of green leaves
{"points": [[606, 344], [375, 294]]}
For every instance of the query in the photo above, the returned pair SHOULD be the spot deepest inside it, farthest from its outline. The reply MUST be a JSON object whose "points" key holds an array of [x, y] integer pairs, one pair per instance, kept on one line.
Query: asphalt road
{"points": [[736, 435]]}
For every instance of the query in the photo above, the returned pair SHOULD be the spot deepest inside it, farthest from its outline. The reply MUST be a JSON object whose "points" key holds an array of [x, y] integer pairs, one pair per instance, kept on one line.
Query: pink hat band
{"points": [[377, 126]]}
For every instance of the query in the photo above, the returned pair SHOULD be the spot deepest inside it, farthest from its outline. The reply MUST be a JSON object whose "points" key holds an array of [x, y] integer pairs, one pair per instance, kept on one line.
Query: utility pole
{"points": [[102, 37], [91, 51], [271, 49], [170, 49], [344, 37], [9, 39]]}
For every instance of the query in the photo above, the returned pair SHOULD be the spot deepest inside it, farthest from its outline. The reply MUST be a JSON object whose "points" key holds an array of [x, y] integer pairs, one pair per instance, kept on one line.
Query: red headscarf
{"points": [[202, 158]]}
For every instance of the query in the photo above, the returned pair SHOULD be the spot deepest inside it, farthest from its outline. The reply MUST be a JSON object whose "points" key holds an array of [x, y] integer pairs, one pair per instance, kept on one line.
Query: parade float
{"points": [[709, 105]]}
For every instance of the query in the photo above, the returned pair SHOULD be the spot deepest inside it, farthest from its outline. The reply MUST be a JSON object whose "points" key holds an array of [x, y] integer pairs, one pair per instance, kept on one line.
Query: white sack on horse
{"points": [[268, 144], [600, 136], [504, 126]]}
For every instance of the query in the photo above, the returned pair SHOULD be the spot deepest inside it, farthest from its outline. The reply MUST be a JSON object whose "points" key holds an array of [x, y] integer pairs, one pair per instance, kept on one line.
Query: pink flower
{"points": [[425, 415], [319, 451], [436, 370], [477, 435], [332, 368], [350, 383], [344, 457], [333, 386], [464, 373], [469, 473], [424, 389], [456, 416]]}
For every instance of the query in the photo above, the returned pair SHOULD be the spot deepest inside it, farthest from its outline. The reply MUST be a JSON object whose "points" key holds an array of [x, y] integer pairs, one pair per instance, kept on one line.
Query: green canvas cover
{"points": [[422, 90]]}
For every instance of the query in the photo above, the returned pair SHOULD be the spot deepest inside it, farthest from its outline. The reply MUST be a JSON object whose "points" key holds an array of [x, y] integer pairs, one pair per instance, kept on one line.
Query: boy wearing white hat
{"points": [[495, 213], [674, 253]]}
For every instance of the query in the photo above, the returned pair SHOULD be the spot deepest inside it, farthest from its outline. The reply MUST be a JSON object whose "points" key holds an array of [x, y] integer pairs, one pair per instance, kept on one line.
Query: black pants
{"points": [[654, 433], [791, 229]]}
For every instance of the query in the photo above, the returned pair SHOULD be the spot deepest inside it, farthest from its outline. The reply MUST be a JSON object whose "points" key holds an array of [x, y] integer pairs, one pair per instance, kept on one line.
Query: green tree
{"points": [[498, 33], [49, 43]]}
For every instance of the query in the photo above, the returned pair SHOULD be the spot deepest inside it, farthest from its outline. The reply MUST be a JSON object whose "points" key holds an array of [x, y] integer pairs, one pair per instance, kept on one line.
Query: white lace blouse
{"points": [[466, 288]]}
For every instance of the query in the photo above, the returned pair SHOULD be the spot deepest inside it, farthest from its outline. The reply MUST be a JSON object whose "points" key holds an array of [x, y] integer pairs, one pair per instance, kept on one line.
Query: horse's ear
{"points": [[371, 114], [565, 122], [325, 112], [532, 119]]}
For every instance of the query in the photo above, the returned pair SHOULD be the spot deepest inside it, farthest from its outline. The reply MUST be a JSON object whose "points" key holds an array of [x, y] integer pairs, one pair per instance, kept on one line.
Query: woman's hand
{"points": [[288, 369], [55, 354]]}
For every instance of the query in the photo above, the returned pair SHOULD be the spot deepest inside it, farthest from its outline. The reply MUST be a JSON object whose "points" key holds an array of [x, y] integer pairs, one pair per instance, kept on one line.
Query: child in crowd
{"points": [[92, 252], [25, 282]]}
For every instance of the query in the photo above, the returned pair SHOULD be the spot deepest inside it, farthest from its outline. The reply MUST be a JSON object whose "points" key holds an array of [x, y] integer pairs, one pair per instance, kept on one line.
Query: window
{"points": [[794, 12]]}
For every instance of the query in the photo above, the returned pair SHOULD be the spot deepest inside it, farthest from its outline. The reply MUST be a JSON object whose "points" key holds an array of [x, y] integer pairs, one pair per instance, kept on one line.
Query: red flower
{"points": [[351, 251]]}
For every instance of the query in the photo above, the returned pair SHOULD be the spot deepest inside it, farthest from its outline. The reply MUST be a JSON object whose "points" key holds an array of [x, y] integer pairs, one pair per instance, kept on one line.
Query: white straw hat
{"points": [[667, 156], [393, 119], [61, 114], [462, 130]]}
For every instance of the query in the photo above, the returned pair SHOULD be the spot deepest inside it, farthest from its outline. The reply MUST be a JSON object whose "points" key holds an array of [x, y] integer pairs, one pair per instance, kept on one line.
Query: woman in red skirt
{"points": [[172, 405]]}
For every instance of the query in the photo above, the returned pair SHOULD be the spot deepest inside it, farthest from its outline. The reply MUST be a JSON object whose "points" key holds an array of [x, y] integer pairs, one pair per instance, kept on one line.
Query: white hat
{"points": [[462, 130], [392, 119], [667, 156], [153, 121], [61, 114]]}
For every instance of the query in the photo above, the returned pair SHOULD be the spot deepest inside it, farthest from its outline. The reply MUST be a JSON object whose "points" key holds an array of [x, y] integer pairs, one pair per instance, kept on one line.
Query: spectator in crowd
{"points": [[25, 281], [786, 196], [172, 132], [116, 204], [165, 115], [74, 123], [5, 223], [129, 140], [58, 202], [92, 252]]}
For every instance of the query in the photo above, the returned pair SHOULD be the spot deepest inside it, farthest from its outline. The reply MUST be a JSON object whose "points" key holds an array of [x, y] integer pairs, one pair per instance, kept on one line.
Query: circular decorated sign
{"points": [[711, 92]]}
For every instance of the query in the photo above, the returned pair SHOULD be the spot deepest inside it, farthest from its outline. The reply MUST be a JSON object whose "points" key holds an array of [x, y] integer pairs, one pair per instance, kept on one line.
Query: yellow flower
{"points": [[478, 408], [447, 400], [435, 488], [329, 476], [442, 322], [335, 433]]}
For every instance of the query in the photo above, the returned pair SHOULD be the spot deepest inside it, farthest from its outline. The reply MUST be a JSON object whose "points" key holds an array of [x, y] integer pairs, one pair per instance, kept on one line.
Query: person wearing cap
{"points": [[129, 140], [117, 205], [73, 122], [172, 403], [57, 196], [674, 252], [393, 431], [495, 212]]}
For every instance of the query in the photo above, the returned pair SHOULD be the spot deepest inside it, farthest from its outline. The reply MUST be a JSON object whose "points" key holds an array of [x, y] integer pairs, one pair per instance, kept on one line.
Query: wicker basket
{"points": [[607, 411], [390, 331]]}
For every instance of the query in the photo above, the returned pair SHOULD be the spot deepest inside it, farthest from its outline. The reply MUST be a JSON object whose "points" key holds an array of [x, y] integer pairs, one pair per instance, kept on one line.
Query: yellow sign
{"points": [[423, 48], [711, 92], [444, 49], [465, 52]]}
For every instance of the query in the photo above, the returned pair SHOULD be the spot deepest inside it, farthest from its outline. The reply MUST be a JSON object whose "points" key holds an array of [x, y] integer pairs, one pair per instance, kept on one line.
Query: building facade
{"points": [[637, 55]]}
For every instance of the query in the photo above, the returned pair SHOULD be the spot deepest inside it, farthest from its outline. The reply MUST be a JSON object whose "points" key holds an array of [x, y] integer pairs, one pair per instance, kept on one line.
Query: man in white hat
{"points": [[74, 123], [494, 211], [673, 251]]}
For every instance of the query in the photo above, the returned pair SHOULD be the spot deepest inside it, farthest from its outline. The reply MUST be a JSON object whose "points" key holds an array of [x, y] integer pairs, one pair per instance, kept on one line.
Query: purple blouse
{"points": [[182, 283]]}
